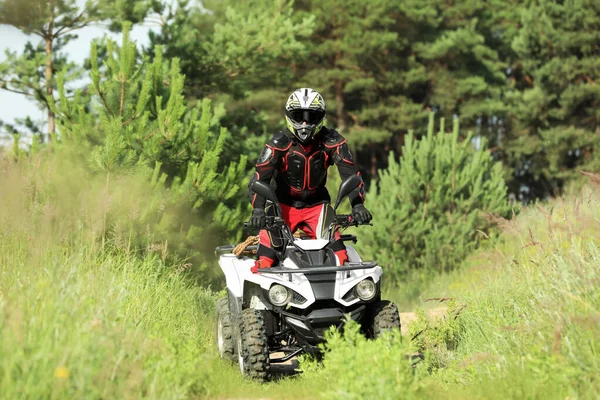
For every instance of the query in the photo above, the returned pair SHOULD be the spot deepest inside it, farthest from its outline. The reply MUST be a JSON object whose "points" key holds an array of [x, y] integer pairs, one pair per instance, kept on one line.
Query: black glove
{"points": [[361, 215], [257, 220]]}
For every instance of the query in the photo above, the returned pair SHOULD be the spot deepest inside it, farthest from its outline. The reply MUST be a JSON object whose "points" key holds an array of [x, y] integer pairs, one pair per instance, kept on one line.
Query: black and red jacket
{"points": [[300, 171]]}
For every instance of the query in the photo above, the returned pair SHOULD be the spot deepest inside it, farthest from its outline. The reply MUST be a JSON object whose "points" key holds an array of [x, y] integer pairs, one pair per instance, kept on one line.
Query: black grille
{"points": [[350, 295], [298, 298]]}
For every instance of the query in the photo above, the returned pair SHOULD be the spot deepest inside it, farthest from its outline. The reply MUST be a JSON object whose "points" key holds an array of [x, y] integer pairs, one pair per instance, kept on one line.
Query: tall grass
{"points": [[531, 322], [523, 320], [80, 318], [83, 314]]}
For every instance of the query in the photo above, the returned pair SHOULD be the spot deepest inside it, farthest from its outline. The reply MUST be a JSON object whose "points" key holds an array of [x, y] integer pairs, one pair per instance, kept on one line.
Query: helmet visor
{"points": [[311, 117]]}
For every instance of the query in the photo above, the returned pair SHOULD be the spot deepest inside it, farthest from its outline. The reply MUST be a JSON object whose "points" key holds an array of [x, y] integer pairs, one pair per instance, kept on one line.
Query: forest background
{"points": [[196, 105]]}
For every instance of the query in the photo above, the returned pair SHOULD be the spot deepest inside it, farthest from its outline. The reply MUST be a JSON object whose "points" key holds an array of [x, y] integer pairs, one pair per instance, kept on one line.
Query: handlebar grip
{"points": [[346, 220], [270, 222]]}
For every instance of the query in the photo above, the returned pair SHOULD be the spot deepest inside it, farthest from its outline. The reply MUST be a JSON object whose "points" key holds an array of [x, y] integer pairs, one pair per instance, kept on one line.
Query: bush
{"points": [[358, 368], [432, 208]]}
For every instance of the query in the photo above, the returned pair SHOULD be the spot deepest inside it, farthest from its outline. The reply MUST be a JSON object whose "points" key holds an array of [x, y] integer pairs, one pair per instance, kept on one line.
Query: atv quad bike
{"points": [[288, 308]]}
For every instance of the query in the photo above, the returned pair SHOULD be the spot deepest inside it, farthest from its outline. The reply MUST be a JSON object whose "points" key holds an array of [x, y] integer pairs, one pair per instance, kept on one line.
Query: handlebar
{"points": [[270, 222], [343, 220], [346, 220]]}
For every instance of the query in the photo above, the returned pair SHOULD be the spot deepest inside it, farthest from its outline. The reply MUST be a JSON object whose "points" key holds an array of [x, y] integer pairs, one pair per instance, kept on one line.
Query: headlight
{"points": [[365, 290], [279, 295]]}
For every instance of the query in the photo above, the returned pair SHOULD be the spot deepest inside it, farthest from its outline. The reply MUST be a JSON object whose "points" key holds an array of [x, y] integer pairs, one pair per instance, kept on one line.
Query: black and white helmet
{"points": [[305, 113]]}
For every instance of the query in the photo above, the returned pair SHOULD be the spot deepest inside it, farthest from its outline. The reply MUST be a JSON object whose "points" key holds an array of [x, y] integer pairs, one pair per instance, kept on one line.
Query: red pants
{"points": [[310, 221]]}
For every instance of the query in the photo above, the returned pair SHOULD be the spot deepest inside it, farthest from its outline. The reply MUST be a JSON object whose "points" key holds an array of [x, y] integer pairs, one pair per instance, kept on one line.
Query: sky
{"points": [[14, 105]]}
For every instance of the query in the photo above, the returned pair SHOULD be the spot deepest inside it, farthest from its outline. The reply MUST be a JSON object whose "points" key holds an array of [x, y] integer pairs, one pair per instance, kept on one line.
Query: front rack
{"points": [[228, 249], [318, 269]]}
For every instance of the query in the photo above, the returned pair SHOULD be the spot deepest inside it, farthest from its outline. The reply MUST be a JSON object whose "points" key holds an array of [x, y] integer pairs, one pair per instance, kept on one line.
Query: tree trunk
{"points": [[49, 73], [339, 100], [339, 94], [373, 161]]}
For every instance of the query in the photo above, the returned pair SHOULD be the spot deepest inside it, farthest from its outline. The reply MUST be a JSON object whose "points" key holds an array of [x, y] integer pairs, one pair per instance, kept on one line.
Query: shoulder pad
{"points": [[280, 141], [333, 138]]}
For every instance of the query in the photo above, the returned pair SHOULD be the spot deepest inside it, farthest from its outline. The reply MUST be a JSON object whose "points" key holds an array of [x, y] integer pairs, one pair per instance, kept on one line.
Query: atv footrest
{"points": [[288, 357]]}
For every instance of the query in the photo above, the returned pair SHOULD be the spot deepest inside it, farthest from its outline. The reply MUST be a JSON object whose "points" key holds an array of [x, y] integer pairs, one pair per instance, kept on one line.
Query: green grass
{"points": [[82, 316], [523, 321], [109, 326], [525, 316]]}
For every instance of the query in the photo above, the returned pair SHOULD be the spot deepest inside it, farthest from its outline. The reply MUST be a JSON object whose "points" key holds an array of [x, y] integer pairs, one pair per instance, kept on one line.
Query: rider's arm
{"points": [[264, 170], [342, 157], [267, 164]]}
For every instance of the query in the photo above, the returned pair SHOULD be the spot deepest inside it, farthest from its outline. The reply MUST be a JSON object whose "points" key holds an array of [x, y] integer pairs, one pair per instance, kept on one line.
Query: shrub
{"points": [[358, 368], [430, 208]]}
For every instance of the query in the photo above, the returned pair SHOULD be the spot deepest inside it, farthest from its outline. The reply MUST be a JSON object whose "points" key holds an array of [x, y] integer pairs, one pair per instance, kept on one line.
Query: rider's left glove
{"points": [[257, 220], [361, 215]]}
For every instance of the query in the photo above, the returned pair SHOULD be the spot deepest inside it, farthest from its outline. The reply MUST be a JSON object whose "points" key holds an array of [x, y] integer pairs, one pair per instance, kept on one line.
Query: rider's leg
{"points": [[314, 219], [270, 241], [339, 248], [266, 250]]}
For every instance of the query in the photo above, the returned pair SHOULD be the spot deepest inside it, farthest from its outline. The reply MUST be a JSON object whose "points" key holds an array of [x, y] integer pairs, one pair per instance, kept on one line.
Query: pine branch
{"points": [[156, 20], [72, 24], [43, 34], [13, 90], [122, 101], [130, 120], [74, 28], [39, 91], [104, 102], [148, 136]]}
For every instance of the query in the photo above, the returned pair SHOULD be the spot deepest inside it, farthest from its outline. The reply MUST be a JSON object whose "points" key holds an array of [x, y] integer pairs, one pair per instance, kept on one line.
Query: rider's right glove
{"points": [[257, 220], [361, 214]]}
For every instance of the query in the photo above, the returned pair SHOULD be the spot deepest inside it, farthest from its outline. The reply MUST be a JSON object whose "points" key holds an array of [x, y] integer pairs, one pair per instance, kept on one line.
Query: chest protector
{"points": [[300, 172], [305, 168]]}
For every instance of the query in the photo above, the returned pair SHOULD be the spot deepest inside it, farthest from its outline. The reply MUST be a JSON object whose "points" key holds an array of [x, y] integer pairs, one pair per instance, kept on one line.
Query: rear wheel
{"points": [[253, 349], [385, 317], [225, 341]]}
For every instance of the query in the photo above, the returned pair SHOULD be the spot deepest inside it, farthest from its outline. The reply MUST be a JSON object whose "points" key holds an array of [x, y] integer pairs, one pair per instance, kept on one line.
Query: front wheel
{"points": [[384, 317], [253, 349], [225, 330]]}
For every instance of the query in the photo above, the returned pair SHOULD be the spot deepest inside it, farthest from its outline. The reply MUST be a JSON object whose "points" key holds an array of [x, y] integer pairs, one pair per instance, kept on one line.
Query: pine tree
{"points": [[350, 53], [239, 53], [139, 120], [385, 65], [55, 22], [555, 100], [430, 208], [32, 73]]}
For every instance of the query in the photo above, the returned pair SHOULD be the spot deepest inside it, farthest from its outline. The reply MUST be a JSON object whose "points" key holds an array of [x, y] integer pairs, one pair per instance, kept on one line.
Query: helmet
{"points": [[305, 113]]}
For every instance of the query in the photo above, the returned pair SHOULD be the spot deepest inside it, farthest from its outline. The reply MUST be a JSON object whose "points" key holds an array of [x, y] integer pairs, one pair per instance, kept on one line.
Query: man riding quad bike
{"points": [[298, 159], [299, 287]]}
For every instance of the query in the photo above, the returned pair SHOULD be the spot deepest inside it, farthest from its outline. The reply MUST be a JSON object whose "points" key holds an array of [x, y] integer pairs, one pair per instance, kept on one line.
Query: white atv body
{"points": [[242, 283], [288, 308]]}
